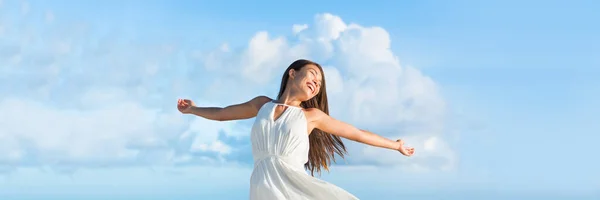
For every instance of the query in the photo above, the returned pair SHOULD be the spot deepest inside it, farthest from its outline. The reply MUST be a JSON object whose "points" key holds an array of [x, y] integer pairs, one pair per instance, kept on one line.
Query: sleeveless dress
{"points": [[280, 150]]}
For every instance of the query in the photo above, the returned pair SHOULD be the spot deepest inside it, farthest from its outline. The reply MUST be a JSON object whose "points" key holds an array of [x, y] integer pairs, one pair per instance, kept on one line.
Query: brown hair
{"points": [[322, 144]]}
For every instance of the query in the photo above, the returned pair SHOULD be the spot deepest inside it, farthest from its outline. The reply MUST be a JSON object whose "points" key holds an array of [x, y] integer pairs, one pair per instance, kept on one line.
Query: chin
{"points": [[308, 97]]}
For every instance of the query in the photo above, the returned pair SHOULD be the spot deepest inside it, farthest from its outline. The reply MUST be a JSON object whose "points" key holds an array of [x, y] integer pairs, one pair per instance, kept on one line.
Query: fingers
{"points": [[182, 105], [182, 102], [407, 151], [410, 151]]}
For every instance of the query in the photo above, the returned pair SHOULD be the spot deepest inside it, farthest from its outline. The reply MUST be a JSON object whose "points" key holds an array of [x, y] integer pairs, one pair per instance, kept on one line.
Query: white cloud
{"points": [[334, 80], [85, 99], [206, 133], [263, 56], [328, 27], [297, 28], [69, 135]]}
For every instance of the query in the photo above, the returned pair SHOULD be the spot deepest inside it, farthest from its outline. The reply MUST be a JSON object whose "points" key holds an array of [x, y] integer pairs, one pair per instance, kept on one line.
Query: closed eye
{"points": [[315, 74], [317, 84]]}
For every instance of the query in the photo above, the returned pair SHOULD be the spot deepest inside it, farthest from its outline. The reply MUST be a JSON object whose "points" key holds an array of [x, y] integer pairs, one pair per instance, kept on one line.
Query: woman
{"points": [[293, 131]]}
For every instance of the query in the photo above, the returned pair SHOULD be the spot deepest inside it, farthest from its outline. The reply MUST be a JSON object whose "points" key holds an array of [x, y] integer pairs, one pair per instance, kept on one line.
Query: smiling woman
{"points": [[293, 131]]}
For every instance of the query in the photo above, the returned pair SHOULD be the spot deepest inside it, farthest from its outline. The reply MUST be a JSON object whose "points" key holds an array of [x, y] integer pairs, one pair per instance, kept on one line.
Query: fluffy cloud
{"points": [[72, 97]]}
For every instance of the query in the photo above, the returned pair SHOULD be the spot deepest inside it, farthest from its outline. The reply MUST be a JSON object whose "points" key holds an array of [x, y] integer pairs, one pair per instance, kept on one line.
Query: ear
{"points": [[292, 73]]}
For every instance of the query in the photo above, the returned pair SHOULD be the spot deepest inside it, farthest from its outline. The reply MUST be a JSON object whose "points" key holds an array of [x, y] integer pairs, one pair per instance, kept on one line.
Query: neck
{"points": [[289, 98]]}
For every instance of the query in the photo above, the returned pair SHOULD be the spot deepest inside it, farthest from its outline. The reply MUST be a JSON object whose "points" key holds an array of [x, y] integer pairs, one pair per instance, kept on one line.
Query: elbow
{"points": [[222, 119]]}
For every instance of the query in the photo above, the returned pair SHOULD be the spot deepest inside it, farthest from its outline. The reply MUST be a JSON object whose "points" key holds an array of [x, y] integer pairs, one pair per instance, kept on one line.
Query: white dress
{"points": [[280, 149]]}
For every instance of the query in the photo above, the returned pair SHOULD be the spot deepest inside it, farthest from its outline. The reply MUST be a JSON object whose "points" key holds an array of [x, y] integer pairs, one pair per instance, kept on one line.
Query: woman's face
{"points": [[307, 81]]}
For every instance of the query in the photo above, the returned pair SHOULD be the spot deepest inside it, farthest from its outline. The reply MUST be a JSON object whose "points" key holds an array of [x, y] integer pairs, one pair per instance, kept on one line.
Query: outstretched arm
{"points": [[244, 110], [326, 123]]}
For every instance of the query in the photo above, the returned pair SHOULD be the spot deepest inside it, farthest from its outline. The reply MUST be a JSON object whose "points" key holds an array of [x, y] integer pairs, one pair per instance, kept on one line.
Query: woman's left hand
{"points": [[407, 151]]}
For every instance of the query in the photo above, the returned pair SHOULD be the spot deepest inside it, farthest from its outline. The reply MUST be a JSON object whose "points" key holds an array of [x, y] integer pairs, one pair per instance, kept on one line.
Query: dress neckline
{"points": [[290, 106]]}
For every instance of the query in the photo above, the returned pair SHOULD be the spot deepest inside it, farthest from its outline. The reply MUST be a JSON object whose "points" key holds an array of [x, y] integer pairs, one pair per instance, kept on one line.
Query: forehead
{"points": [[311, 67]]}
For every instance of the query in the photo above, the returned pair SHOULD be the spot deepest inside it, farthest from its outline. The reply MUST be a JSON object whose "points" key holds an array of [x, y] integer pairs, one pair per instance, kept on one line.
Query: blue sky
{"points": [[500, 98]]}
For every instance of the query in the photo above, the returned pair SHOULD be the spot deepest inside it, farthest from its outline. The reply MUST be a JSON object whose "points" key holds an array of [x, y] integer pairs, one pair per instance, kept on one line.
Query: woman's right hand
{"points": [[185, 105]]}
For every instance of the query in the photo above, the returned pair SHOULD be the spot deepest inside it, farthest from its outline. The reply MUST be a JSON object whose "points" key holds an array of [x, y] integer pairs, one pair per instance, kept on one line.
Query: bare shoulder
{"points": [[320, 120], [259, 101], [314, 114]]}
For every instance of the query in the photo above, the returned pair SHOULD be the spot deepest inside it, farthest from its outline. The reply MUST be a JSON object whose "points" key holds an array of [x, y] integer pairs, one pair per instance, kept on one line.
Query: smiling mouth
{"points": [[311, 87]]}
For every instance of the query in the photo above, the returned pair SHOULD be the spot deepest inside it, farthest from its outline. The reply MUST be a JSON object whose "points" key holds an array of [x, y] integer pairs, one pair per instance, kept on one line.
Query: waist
{"points": [[263, 156], [266, 156]]}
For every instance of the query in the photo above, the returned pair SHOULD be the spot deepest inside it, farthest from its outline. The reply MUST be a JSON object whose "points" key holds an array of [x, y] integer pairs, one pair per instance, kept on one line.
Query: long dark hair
{"points": [[322, 145]]}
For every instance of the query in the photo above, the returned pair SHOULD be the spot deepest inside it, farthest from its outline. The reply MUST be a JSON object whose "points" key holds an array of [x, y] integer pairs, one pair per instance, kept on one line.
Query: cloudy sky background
{"points": [[501, 99]]}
